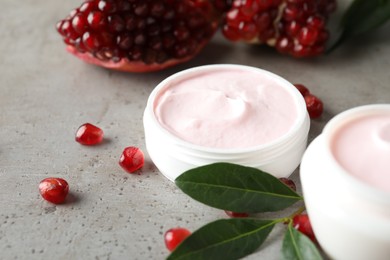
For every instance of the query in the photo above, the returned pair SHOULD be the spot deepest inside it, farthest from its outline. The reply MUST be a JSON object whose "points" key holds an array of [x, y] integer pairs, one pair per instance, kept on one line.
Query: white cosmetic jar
{"points": [[173, 156], [350, 218]]}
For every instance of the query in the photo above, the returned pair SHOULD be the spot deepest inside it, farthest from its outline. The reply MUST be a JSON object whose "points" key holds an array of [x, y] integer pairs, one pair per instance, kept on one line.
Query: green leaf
{"points": [[236, 188], [224, 239], [297, 246], [363, 16]]}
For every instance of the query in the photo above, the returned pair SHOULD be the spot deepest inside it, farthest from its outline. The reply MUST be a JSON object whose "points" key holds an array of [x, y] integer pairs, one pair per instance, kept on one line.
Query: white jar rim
{"points": [[293, 133], [356, 185]]}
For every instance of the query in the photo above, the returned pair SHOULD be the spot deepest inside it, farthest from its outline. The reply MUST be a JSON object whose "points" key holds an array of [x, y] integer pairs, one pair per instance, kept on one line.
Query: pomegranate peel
{"points": [[126, 65]]}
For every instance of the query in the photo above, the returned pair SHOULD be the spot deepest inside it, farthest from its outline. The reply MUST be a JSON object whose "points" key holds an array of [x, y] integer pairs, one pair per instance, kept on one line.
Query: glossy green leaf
{"points": [[363, 16], [224, 239], [297, 246], [236, 188]]}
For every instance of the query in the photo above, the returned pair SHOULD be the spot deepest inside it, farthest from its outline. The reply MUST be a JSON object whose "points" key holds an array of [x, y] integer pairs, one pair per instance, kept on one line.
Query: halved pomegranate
{"points": [[295, 27], [138, 35]]}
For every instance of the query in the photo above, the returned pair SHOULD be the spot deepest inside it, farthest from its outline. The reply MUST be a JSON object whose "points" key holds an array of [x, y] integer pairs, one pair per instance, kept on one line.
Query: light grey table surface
{"points": [[45, 94]]}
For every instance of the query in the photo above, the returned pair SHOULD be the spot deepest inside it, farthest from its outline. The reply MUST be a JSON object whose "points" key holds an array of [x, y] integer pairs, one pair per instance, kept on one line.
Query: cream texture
{"points": [[362, 147], [226, 108]]}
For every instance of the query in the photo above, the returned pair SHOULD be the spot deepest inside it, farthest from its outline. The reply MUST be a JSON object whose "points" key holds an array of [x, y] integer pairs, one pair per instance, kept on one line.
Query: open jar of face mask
{"points": [[226, 113]]}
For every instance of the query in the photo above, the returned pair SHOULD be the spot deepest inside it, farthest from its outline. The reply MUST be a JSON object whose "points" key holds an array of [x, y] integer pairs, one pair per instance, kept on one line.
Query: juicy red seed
{"points": [[96, 20], [236, 214], [106, 6], [116, 23], [293, 28], [132, 159], [292, 12], [290, 183], [248, 30], [314, 106], [302, 224], [302, 89], [173, 237], [316, 22], [91, 41], [54, 190], [87, 6], [307, 36], [284, 45], [88, 134], [79, 23]]}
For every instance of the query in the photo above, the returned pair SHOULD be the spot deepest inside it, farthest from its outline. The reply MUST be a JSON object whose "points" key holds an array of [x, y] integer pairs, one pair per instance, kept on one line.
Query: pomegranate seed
{"points": [[54, 190], [307, 36], [96, 20], [88, 134], [236, 214], [290, 183], [302, 89], [174, 237], [314, 106], [132, 159], [79, 23], [316, 22], [284, 45], [302, 224]]}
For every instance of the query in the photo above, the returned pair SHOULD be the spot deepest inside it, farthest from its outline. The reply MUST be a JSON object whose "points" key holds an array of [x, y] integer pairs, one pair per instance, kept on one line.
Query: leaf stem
{"points": [[297, 212]]}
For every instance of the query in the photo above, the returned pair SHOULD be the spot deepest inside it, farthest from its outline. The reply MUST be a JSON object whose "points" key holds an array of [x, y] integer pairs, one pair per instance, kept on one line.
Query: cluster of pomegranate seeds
{"points": [[314, 105], [290, 183], [88, 134], [54, 190], [302, 223], [174, 237], [236, 214], [150, 31], [132, 159], [295, 27]]}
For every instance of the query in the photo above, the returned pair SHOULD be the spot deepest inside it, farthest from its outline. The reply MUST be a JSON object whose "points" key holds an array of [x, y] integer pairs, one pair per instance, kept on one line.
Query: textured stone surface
{"points": [[45, 94]]}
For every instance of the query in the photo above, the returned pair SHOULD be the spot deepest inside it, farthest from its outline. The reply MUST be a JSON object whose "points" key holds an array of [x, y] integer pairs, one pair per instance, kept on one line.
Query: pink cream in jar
{"points": [[345, 177], [226, 113], [362, 148]]}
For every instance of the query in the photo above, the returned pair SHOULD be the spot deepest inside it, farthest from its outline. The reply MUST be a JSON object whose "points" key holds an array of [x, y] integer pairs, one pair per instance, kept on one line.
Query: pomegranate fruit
{"points": [[138, 35], [54, 190], [174, 237], [295, 27]]}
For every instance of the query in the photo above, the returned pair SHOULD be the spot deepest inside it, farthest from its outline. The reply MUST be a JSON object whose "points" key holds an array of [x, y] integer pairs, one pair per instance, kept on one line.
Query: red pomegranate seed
{"points": [[302, 89], [308, 36], [174, 237], [96, 20], [88, 134], [79, 23], [236, 214], [302, 224], [314, 106], [54, 190], [132, 159], [290, 183]]}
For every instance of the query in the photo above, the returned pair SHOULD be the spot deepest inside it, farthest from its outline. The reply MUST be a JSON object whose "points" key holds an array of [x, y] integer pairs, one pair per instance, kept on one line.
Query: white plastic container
{"points": [[350, 218], [173, 156]]}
